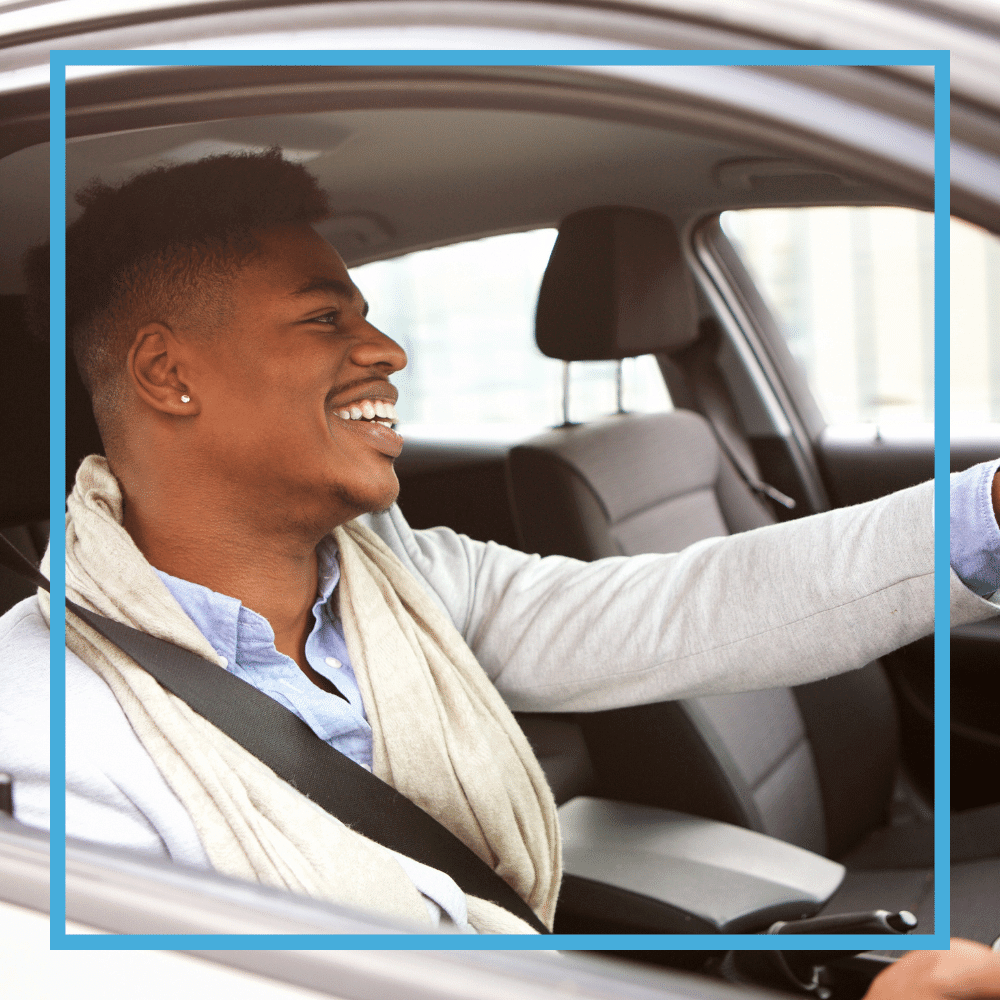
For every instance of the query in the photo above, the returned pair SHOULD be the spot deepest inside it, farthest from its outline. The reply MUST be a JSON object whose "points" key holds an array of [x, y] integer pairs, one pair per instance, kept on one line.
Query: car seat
{"points": [[814, 765]]}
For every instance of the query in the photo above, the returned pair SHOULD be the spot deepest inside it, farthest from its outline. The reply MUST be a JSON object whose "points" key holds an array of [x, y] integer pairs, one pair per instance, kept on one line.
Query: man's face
{"points": [[276, 388]]}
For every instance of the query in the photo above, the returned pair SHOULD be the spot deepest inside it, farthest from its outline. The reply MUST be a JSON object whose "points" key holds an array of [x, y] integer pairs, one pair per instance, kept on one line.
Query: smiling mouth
{"points": [[375, 411]]}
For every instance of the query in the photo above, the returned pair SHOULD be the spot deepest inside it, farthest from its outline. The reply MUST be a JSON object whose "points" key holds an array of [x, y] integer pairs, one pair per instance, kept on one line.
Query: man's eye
{"points": [[330, 318]]}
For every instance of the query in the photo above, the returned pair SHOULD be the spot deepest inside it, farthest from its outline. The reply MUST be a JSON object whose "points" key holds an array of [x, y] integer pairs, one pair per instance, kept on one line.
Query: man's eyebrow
{"points": [[314, 285]]}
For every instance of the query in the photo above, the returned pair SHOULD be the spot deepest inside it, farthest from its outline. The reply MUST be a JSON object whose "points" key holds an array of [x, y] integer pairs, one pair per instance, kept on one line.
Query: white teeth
{"points": [[384, 413]]}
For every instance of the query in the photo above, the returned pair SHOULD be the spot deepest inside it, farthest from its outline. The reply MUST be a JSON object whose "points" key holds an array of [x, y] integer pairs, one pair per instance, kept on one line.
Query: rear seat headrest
{"points": [[616, 286]]}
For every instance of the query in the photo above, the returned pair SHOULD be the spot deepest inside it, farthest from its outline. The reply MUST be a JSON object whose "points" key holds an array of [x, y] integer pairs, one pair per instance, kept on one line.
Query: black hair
{"points": [[163, 246]]}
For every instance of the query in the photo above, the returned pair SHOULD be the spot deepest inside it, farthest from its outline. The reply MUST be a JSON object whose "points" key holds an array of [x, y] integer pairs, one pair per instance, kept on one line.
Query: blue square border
{"points": [[60, 59]]}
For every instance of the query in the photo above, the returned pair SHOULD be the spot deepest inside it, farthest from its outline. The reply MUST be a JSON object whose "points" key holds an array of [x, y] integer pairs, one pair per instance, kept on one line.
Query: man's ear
{"points": [[156, 371]]}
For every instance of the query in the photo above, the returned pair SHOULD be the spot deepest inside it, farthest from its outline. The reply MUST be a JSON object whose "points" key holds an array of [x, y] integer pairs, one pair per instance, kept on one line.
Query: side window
{"points": [[853, 291], [465, 316]]}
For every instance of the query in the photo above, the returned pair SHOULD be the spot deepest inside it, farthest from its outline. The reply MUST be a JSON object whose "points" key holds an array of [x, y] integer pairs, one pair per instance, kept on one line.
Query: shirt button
{"points": [[332, 662], [223, 660]]}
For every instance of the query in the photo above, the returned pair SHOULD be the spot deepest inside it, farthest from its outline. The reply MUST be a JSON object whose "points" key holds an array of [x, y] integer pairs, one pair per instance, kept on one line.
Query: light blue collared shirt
{"points": [[975, 534], [246, 640]]}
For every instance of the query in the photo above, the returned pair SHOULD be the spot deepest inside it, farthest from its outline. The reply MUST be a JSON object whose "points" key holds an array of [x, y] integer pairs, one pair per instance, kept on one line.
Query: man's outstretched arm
{"points": [[781, 605]]}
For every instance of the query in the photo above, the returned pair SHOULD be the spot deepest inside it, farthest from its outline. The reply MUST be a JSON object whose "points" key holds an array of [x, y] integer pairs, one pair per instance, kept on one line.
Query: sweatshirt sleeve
{"points": [[780, 605]]}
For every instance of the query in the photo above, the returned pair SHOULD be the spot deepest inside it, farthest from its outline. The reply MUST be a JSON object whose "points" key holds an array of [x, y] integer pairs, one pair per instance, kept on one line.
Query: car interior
{"points": [[841, 768]]}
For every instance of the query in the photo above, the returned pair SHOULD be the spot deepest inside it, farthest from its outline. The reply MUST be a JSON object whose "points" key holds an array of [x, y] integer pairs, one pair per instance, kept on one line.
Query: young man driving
{"points": [[246, 512]]}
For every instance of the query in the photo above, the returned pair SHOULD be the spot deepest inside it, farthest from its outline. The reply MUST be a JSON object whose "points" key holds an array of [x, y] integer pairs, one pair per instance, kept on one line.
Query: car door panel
{"points": [[862, 462]]}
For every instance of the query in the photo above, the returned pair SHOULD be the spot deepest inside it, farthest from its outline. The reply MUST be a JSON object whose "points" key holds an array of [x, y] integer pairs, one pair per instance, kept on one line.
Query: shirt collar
{"points": [[218, 617], [328, 565]]}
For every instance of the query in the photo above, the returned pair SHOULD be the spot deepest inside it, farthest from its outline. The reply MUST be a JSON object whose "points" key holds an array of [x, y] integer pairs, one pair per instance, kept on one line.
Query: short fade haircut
{"points": [[164, 246]]}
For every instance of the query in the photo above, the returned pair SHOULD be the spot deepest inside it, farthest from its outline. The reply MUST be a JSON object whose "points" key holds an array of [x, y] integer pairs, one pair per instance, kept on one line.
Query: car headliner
{"points": [[404, 178]]}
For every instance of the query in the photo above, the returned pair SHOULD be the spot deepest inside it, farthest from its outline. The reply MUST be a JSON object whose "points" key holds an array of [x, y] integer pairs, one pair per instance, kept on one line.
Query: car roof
{"points": [[968, 28]]}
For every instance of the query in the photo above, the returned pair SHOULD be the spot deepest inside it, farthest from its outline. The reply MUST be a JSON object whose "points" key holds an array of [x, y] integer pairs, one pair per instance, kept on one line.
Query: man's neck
{"points": [[271, 572]]}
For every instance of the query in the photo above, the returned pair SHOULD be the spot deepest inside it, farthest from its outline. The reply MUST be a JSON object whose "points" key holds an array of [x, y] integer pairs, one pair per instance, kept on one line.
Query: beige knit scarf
{"points": [[442, 734]]}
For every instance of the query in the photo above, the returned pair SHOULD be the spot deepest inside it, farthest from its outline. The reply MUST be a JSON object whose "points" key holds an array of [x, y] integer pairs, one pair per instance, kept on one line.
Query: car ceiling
{"points": [[405, 178]]}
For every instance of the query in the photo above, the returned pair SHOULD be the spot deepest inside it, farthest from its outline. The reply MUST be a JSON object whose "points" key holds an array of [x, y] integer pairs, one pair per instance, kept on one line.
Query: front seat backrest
{"points": [[617, 286]]}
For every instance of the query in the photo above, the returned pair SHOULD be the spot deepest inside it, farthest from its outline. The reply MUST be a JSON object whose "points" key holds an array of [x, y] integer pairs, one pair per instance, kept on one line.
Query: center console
{"points": [[639, 869]]}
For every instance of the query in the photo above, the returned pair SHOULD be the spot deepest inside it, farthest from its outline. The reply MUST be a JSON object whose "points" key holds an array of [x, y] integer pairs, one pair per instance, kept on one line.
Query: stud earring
{"points": [[185, 399]]}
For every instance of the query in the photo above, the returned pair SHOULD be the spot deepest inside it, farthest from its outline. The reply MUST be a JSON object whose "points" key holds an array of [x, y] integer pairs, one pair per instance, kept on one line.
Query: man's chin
{"points": [[364, 502]]}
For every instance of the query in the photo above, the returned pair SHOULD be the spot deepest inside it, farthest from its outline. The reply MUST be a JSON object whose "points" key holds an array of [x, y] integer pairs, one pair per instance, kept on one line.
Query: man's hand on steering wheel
{"points": [[969, 971]]}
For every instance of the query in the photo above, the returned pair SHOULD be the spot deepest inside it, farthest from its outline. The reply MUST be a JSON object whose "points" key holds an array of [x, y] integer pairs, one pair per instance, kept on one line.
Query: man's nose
{"points": [[373, 348]]}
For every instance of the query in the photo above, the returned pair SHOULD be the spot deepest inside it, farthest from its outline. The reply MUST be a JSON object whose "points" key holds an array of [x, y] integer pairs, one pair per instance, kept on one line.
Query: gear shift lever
{"points": [[869, 922], [806, 970]]}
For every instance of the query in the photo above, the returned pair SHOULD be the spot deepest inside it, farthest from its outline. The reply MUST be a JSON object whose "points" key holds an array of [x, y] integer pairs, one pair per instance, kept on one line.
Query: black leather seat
{"points": [[815, 765]]}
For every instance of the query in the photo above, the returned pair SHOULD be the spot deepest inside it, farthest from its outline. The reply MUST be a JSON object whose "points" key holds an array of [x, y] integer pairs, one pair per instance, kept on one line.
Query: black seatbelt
{"points": [[282, 741], [697, 362]]}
